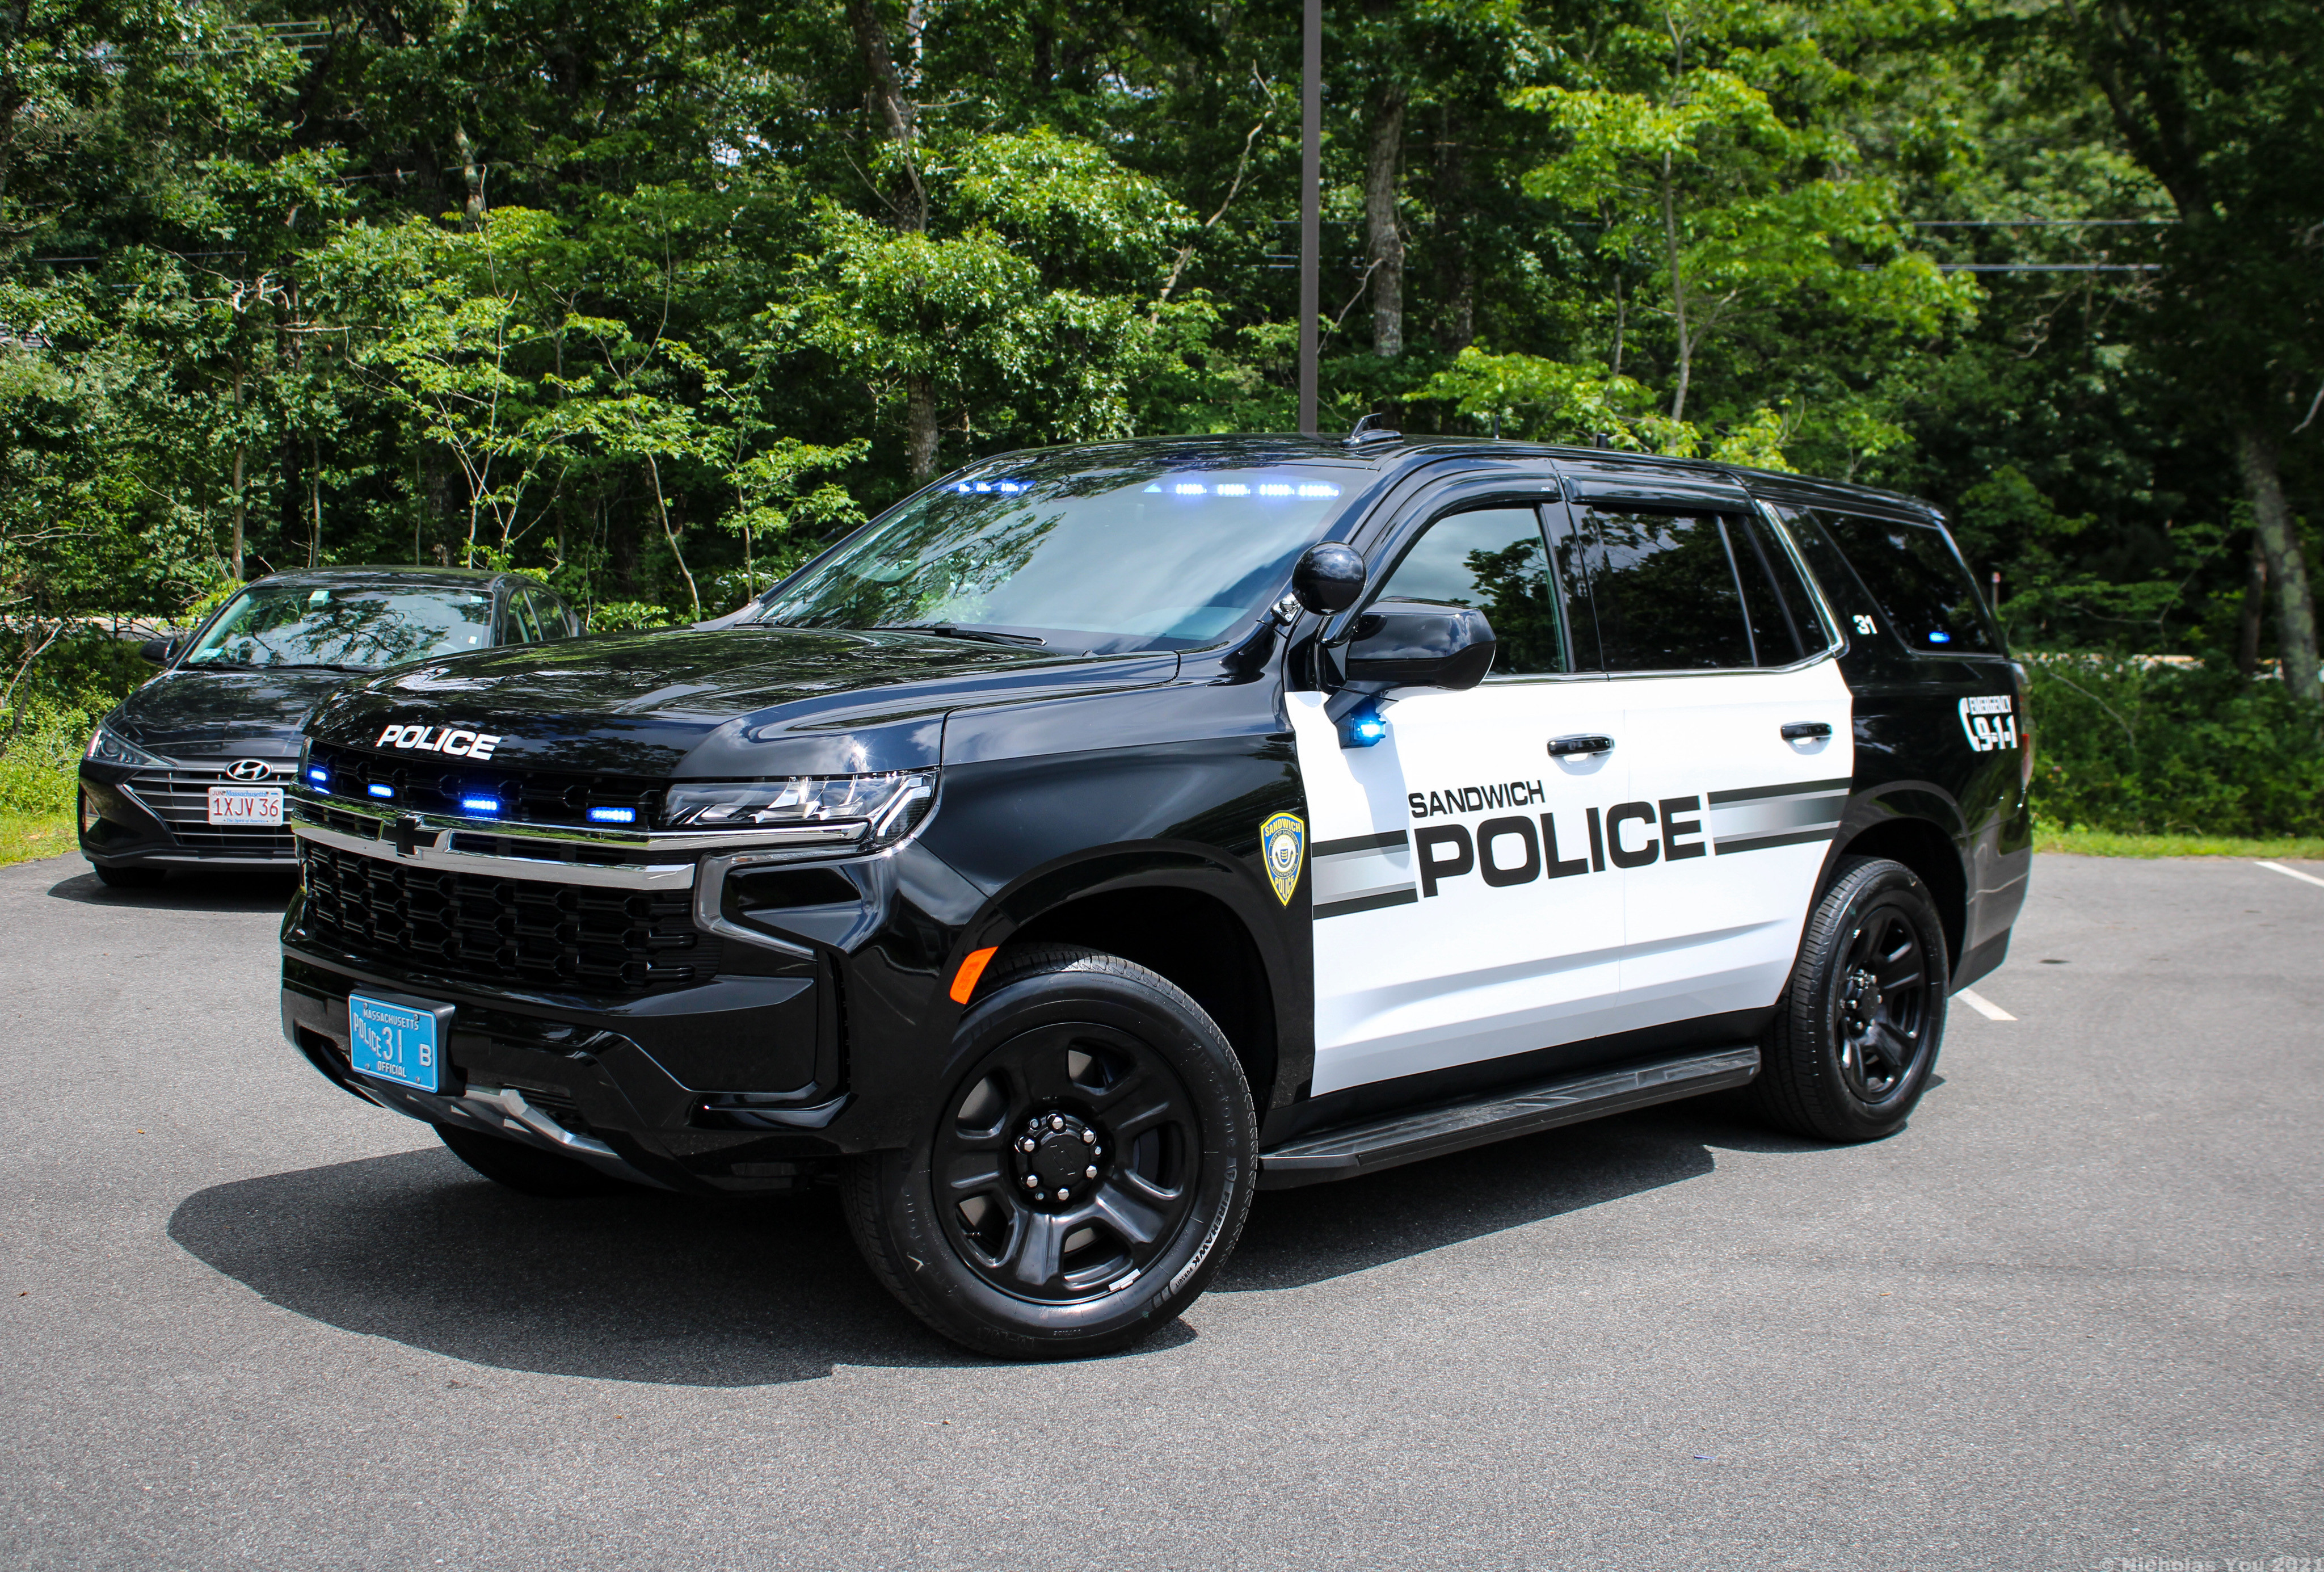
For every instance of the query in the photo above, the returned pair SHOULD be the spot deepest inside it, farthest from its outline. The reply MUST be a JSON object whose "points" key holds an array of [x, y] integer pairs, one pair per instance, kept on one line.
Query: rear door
{"points": [[1735, 732], [1459, 911]]}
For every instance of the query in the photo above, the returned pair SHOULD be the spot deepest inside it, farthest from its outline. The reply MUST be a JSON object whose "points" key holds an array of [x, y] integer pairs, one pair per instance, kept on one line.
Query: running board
{"points": [[1357, 1148]]}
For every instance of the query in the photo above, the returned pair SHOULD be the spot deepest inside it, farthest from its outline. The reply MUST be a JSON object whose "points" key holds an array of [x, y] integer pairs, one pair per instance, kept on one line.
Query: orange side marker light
{"points": [[963, 981]]}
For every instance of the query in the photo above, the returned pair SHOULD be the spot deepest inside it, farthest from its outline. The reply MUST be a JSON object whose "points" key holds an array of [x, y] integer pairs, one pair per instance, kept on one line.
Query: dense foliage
{"points": [[652, 296]]}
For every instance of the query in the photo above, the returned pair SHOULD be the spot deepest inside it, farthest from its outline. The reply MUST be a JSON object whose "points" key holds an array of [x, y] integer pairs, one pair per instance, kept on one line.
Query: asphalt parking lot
{"points": [[2073, 1316]]}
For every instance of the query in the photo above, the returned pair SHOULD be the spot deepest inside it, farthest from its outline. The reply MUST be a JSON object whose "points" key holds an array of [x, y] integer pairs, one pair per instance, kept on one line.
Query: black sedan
{"points": [[189, 771]]}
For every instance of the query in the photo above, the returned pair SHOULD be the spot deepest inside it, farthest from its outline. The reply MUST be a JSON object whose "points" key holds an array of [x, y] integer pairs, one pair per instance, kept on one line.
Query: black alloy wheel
{"points": [[1063, 1166], [1882, 1003], [1087, 1173], [1856, 1034]]}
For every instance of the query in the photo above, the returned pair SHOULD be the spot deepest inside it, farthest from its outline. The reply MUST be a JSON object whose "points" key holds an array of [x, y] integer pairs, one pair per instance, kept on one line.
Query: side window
{"points": [[521, 628], [1493, 560], [549, 613], [1666, 592], [1917, 579], [1784, 627]]}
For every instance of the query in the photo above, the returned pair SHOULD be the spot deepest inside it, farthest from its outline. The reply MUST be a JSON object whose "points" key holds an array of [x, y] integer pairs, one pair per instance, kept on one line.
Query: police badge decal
{"points": [[1284, 840]]}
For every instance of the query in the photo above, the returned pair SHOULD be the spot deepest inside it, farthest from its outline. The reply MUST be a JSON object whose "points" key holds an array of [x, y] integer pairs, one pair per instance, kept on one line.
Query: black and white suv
{"points": [[1105, 833]]}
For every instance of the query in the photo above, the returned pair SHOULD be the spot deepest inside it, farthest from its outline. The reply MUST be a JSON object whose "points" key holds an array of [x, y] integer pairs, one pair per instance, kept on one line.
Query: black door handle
{"points": [[1572, 747], [1799, 730]]}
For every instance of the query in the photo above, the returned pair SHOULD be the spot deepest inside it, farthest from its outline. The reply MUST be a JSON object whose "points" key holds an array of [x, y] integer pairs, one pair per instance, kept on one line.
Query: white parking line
{"points": [[1983, 1005], [2296, 873]]}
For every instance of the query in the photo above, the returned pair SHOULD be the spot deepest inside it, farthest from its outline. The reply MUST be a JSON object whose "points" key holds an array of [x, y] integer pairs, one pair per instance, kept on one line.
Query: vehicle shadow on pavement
{"points": [[650, 1288], [1309, 1235], [220, 892]]}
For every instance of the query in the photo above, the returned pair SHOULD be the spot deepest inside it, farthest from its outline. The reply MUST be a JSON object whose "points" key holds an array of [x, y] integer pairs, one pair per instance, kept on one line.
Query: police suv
{"points": [[1105, 833]]}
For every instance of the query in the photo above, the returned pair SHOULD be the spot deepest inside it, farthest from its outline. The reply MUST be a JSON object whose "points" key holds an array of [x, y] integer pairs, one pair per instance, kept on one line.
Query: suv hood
{"points": [[728, 704], [197, 712]]}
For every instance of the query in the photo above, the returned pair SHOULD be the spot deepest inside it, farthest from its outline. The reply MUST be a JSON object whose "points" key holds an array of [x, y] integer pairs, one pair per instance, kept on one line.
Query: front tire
{"points": [[1087, 1173], [1857, 1032], [528, 1169]]}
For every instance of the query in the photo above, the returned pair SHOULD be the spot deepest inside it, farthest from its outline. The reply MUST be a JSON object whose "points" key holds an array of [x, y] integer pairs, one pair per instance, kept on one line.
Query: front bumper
{"points": [[159, 817], [718, 1067]]}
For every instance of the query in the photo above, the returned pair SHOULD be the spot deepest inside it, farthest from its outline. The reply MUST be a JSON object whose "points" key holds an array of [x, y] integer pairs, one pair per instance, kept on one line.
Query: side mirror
{"points": [[1328, 577], [158, 650], [1409, 644]]}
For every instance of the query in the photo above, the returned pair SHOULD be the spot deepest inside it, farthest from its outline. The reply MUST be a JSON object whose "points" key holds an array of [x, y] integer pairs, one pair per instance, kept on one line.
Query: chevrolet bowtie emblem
{"points": [[407, 834]]}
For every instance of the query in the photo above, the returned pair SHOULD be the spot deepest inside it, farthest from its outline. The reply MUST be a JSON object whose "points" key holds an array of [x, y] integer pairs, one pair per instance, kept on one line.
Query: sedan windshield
{"points": [[1145, 556], [355, 627]]}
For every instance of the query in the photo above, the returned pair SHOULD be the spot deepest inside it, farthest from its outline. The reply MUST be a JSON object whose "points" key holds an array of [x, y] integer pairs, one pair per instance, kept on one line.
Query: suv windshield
{"points": [[1151, 555], [359, 626]]}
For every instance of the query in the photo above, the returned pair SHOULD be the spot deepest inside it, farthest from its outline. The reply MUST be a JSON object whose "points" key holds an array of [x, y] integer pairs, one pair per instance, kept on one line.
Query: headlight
{"points": [[890, 804], [109, 746]]}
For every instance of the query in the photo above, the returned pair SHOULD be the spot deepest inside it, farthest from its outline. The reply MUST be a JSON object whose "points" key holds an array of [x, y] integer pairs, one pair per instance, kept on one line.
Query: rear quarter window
{"points": [[1916, 578]]}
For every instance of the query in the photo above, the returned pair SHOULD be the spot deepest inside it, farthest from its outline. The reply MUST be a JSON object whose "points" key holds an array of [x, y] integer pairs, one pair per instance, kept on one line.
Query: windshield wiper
{"points": [[954, 631], [309, 666]]}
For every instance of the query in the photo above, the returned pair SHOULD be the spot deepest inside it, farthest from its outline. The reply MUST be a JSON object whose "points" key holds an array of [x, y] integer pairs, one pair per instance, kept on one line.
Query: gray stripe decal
{"points": [[1358, 842], [1796, 789], [1760, 843], [1405, 897]]}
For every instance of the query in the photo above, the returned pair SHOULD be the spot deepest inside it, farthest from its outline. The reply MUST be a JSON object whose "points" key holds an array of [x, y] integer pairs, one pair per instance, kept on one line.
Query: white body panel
{"points": [[1714, 932], [1410, 978], [1416, 973]]}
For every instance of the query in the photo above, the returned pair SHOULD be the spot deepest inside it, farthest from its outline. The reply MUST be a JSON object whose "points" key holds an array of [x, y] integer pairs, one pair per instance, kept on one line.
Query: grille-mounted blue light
{"points": [[376, 789], [319, 775], [480, 805], [613, 816], [1938, 636]]}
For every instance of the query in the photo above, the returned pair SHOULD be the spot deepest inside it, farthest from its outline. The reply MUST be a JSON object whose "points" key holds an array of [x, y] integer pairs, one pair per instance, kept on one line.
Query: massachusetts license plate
{"points": [[250, 805], [398, 1042]]}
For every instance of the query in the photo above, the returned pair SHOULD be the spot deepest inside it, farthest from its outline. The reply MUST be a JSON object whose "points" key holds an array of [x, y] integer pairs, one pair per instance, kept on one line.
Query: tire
{"points": [[528, 1169], [129, 876], [1083, 1056], [1857, 1032]]}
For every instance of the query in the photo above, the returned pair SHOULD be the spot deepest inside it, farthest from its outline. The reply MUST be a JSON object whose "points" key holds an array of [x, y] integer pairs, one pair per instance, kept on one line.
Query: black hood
{"points": [[730, 704], [204, 711]]}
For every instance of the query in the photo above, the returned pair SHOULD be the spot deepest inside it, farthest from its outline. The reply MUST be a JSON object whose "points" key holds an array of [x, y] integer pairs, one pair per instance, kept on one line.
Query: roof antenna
{"points": [[1366, 432], [1601, 439], [1497, 425]]}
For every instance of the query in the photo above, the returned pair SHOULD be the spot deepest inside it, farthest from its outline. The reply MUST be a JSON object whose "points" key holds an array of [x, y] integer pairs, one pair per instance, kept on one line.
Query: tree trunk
{"points": [[1678, 294], [2279, 539], [1386, 242], [241, 494], [472, 173], [2255, 610], [1456, 284], [920, 425], [661, 509], [896, 114]]}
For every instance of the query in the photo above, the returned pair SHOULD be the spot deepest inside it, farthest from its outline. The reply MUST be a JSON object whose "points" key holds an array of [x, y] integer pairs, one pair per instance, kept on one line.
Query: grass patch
{"points": [[26, 836], [2106, 843]]}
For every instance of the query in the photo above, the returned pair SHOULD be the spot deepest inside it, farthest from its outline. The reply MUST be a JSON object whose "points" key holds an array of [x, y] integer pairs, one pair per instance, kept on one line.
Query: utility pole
{"points": [[1311, 183]]}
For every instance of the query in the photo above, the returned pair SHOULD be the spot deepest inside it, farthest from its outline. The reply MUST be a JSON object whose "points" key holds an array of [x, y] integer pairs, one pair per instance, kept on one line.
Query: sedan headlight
{"points": [[889, 804], [108, 746]]}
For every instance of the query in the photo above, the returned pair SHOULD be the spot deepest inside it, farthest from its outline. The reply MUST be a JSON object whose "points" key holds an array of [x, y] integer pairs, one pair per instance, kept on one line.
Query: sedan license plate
{"points": [[399, 1041], [252, 804]]}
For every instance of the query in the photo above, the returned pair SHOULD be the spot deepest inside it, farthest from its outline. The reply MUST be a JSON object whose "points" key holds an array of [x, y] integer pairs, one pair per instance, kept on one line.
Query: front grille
{"points": [[568, 937], [422, 783], [181, 799]]}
